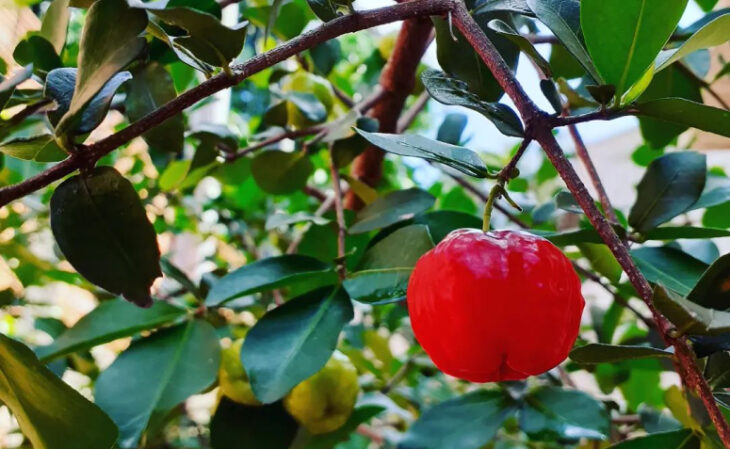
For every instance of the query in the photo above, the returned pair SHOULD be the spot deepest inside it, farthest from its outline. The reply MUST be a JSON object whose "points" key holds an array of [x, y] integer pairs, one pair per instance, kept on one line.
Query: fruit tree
{"points": [[319, 224]]}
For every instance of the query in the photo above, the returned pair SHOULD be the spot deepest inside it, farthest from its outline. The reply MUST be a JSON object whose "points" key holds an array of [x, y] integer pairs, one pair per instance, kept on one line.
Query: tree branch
{"points": [[340, 214], [337, 27], [539, 125]]}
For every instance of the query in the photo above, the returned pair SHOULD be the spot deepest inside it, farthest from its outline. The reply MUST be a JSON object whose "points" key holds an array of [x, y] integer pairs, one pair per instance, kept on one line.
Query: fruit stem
{"points": [[508, 172]]}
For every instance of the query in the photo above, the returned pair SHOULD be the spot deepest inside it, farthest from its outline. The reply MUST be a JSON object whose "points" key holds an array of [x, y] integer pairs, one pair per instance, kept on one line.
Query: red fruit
{"points": [[495, 306]]}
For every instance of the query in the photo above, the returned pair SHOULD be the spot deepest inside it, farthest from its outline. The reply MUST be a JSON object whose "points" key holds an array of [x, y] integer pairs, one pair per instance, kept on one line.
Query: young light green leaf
{"points": [[55, 24], [281, 173], [103, 230], [563, 19], [451, 91], [670, 267], [624, 37], [156, 374], [459, 158], [104, 50], [268, 274], [670, 186], [49, 411], [42, 148], [690, 317], [394, 207], [595, 353], [717, 32], [109, 321], [466, 422], [150, 88], [687, 113], [294, 341], [555, 413]]}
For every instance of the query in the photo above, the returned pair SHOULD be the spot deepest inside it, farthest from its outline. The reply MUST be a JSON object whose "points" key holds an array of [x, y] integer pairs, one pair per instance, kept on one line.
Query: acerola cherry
{"points": [[495, 306]]}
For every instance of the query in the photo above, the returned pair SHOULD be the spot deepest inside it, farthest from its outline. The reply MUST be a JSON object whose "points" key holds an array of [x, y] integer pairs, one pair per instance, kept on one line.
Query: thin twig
{"points": [[411, 114], [291, 134], [607, 114], [27, 112], [340, 213], [483, 196]]}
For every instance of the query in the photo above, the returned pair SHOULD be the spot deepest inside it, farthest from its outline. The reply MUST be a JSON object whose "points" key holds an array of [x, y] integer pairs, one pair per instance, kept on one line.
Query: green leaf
{"points": [[563, 19], [594, 353], [624, 41], [150, 88], [208, 39], [454, 92], [687, 113], [459, 158], [685, 232], [670, 267], [156, 374], [325, 10], [678, 439], [460, 61], [452, 128], [280, 219], [670, 186], [51, 414], [466, 422], [673, 82], [602, 260], [386, 267], [713, 288], [104, 50], [716, 191], [518, 6], [60, 87], [55, 24], [302, 334], [8, 85], [521, 41], [359, 416], [109, 321], [554, 413], [716, 32], [268, 274], [690, 317], [238, 426], [281, 173], [393, 208], [42, 148], [103, 230], [441, 222], [36, 50], [564, 64]]}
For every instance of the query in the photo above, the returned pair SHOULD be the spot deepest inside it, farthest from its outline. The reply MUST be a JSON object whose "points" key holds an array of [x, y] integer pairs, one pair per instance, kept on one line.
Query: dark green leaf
{"points": [[359, 416], [564, 64], [595, 353], [104, 50], [467, 422], [687, 113], [690, 317], [109, 321], [150, 88], [155, 374], [716, 32], [603, 94], [554, 413], [294, 341], [623, 42], [678, 439], [344, 151], [521, 41], [325, 56], [103, 230], [281, 173], [550, 90], [459, 59], [441, 222], [670, 186], [451, 91], [518, 6], [655, 421], [716, 191], [386, 267], [60, 87], [326, 10], [685, 232], [451, 129], [460, 158], [670, 267], [237, 426], [50, 413], [713, 288], [267, 274], [563, 19], [42, 148], [36, 50], [394, 207], [172, 271]]}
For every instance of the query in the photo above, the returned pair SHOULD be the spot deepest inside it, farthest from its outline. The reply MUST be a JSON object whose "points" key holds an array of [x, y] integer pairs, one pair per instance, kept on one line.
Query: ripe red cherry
{"points": [[495, 306]]}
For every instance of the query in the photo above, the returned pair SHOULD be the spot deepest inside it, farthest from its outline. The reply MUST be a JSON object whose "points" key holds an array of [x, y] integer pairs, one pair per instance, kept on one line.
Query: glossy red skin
{"points": [[493, 307]]}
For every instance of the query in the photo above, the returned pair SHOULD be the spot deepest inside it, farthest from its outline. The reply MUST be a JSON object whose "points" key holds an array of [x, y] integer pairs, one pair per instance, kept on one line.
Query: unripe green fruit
{"points": [[324, 402], [233, 380], [312, 84]]}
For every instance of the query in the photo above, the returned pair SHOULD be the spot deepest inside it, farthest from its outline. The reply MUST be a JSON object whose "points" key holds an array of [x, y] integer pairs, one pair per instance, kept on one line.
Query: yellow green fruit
{"points": [[234, 383], [304, 82], [324, 402]]}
